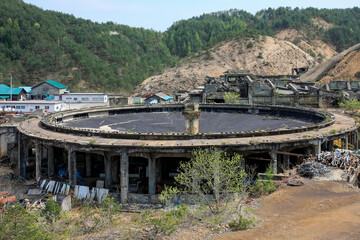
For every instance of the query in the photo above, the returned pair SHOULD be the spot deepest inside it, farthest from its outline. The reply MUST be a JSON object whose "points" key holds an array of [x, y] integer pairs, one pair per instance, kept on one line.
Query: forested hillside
{"points": [[37, 45], [188, 36]]}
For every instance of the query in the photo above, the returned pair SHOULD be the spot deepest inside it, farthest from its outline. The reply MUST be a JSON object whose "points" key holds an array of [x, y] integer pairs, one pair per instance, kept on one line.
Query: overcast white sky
{"points": [[161, 14]]}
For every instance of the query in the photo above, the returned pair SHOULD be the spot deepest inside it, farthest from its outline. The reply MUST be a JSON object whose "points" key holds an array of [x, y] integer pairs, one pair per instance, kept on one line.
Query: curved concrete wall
{"points": [[320, 119]]}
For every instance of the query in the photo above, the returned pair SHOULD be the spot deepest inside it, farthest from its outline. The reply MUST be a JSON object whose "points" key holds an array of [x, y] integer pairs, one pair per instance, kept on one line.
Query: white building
{"points": [[32, 105], [82, 97]]}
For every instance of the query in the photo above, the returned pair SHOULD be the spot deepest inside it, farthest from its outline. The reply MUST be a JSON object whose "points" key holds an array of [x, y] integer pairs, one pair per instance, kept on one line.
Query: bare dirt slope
{"points": [[317, 210], [346, 69], [323, 50], [265, 55], [339, 65]]}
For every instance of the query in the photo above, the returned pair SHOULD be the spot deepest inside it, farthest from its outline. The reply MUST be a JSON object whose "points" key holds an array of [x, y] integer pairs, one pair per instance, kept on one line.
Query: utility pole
{"points": [[10, 87]]}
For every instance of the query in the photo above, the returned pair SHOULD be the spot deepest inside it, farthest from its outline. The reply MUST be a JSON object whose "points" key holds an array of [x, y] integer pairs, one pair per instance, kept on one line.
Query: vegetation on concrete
{"points": [[231, 97], [351, 105]]}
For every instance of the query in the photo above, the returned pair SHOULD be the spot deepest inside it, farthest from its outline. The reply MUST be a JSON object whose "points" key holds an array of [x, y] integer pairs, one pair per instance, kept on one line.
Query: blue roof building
{"points": [[159, 98], [48, 88], [16, 93]]}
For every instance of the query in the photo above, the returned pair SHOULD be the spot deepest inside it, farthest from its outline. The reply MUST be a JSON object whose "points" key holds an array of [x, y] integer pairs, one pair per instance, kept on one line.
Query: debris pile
{"points": [[312, 169], [81, 192], [6, 198], [344, 159]]}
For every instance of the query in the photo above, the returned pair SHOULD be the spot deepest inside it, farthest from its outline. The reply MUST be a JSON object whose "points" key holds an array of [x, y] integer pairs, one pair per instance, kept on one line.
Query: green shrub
{"points": [[168, 194], [250, 45], [109, 208], [168, 222], [265, 186], [52, 209], [17, 223], [240, 224]]}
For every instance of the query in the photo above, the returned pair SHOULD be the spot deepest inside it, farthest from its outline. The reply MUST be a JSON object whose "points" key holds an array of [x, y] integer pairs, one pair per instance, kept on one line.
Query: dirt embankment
{"points": [[339, 67], [347, 69], [265, 55], [317, 210]]}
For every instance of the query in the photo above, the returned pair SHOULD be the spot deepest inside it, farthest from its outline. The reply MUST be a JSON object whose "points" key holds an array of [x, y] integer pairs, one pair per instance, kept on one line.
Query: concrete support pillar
{"points": [[72, 165], [273, 97], [115, 171], [152, 175], [44, 152], [88, 164], [51, 161], [320, 99], [356, 141], [286, 162], [23, 155], [317, 148], [38, 148], [3, 144], [250, 94], [124, 175], [191, 114], [273, 156], [108, 171], [346, 142]]}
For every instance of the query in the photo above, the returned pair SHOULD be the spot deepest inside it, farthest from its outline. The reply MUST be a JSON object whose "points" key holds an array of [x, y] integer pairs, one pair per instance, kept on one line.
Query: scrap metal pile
{"points": [[312, 169], [340, 158], [343, 159]]}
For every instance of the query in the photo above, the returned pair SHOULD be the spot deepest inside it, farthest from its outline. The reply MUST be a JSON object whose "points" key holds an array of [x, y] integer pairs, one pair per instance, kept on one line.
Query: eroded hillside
{"points": [[265, 55], [347, 69]]}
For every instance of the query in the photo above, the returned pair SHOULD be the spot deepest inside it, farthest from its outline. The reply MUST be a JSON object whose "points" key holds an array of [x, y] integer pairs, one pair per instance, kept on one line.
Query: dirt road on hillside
{"points": [[317, 210]]}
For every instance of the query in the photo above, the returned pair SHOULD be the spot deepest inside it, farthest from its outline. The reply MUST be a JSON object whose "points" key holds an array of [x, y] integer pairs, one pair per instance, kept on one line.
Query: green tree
{"points": [[213, 172]]}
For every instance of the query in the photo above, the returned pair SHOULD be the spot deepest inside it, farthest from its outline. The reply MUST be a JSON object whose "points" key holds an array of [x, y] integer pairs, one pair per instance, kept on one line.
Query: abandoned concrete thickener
{"points": [[32, 131]]}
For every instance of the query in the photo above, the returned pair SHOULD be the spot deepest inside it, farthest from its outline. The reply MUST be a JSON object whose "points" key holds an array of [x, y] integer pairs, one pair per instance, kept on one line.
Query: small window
{"points": [[75, 99], [17, 107], [84, 99], [47, 107], [22, 107], [37, 107]]}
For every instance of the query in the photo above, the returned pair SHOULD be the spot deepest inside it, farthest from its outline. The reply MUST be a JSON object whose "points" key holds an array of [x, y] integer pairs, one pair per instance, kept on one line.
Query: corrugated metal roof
{"points": [[3, 86], [5, 96], [27, 89], [161, 95], [56, 84], [8, 91], [167, 98]]}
